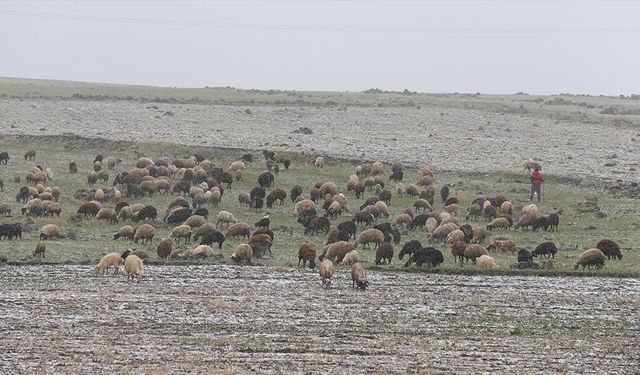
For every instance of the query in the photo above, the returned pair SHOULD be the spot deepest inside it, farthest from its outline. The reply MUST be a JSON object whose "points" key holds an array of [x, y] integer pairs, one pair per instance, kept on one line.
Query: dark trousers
{"points": [[535, 189]]}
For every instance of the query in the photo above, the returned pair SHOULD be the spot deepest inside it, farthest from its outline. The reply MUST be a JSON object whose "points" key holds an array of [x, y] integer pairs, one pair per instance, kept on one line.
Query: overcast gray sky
{"points": [[541, 47]]}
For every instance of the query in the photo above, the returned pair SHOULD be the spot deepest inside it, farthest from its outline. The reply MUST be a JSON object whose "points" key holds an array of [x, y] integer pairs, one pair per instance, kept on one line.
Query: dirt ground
{"points": [[196, 319]]}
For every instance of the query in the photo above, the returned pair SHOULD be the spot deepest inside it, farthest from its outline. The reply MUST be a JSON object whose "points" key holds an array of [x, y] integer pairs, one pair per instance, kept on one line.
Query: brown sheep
{"points": [[144, 233], [49, 231], [40, 248], [181, 231], [225, 217], [336, 251], [134, 267], [242, 253], [107, 214], [457, 249], [110, 260], [486, 262], [359, 277], [195, 221], [474, 251], [368, 236], [350, 258], [499, 223], [244, 199], [502, 245], [384, 253], [306, 253], [326, 272], [402, 220], [125, 232], [238, 230], [591, 257], [319, 162], [164, 248], [441, 232]]}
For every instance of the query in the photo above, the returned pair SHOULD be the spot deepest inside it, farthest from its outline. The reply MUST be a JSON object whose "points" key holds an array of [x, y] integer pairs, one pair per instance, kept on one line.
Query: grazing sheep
{"points": [[502, 245], [326, 272], [30, 154], [225, 217], [548, 249], [610, 249], [40, 248], [442, 231], [455, 235], [319, 162], [164, 248], [485, 262], [276, 195], [125, 232], [479, 234], [382, 207], [144, 233], [506, 208], [178, 215], [317, 224], [528, 166], [181, 231], [336, 251], [591, 257], [409, 248], [242, 253], [474, 251], [499, 223], [427, 255], [348, 227], [107, 214], [260, 243], [134, 267], [530, 209], [49, 231], [306, 253], [351, 257], [110, 260], [553, 220], [89, 209], [359, 277], [195, 221], [384, 253], [402, 220], [457, 249], [211, 237], [422, 204], [431, 225], [5, 209], [525, 255], [474, 212], [238, 231], [368, 236]]}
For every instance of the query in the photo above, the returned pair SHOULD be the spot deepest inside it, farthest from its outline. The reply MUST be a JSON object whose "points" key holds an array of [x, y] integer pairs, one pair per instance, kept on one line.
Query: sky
{"points": [[500, 47]]}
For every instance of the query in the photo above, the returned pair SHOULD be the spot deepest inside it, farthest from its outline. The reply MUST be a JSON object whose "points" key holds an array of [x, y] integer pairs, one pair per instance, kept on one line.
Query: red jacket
{"points": [[537, 178]]}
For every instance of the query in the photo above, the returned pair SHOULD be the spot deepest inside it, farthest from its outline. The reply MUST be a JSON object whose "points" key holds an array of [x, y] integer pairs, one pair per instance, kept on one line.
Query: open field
{"points": [[219, 319], [208, 315]]}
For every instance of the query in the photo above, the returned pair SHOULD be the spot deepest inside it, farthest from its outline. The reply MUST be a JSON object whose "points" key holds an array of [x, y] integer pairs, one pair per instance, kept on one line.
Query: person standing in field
{"points": [[536, 183]]}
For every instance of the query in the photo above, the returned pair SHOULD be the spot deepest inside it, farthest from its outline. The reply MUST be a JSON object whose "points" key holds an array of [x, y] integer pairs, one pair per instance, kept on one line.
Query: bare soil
{"points": [[196, 319]]}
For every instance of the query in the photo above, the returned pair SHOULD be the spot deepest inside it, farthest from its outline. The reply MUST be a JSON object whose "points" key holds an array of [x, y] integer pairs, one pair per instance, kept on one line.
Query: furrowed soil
{"points": [[196, 319]]}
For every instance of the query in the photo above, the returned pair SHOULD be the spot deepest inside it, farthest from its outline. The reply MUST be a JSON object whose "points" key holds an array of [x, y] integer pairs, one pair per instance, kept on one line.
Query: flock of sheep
{"points": [[200, 185]]}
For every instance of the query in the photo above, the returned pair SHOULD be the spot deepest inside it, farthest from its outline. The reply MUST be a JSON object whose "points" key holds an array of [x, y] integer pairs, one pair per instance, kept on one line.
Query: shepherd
{"points": [[536, 183]]}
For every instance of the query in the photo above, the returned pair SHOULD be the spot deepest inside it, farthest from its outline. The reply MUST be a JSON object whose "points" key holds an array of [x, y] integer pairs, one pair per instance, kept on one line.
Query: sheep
{"points": [[552, 222], [5, 209], [474, 212], [351, 257], [506, 208], [238, 230], [431, 225], [326, 272], [319, 162], [306, 253], [382, 207], [276, 195], [457, 249], [367, 236], [110, 260], [107, 214], [336, 251], [39, 250], [181, 231], [144, 233], [479, 234], [242, 253], [409, 248], [195, 221], [164, 248], [334, 209], [442, 231], [177, 215], [525, 255], [499, 223], [402, 220], [358, 277], [424, 255], [260, 244], [225, 217], [89, 209], [317, 224], [609, 248], [547, 249], [328, 188], [352, 182], [134, 267], [591, 257], [452, 209], [454, 235], [49, 231], [529, 165], [485, 262], [473, 251], [244, 199], [213, 236], [530, 209], [384, 253], [422, 204], [30, 154], [502, 245], [125, 232]]}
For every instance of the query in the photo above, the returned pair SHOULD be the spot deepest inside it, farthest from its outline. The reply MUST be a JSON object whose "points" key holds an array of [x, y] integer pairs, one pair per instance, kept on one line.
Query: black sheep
{"points": [[444, 193], [147, 213], [263, 223], [296, 191], [540, 223], [349, 228], [553, 220], [427, 255], [547, 249], [266, 179], [213, 237], [409, 248], [396, 176], [317, 224], [202, 212], [610, 249], [525, 255], [450, 200]]}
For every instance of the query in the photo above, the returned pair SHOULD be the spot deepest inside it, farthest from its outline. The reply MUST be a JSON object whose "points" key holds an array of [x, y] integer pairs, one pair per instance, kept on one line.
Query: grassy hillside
{"points": [[579, 228]]}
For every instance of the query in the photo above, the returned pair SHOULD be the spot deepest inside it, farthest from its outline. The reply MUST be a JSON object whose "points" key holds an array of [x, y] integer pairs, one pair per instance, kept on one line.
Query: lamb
{"points": [[125, 232], [238, 230], [225, 217], [474, 251], [485, 262], [384, 253], [49, 231], [306, 253], [242, 253], [609, 248], [336, 251], [134, 267], [319, 162], [359, 277], [424, 255], [110, 260], [547, 249], [181, 231], [352, 257], [144, 233], [499, 223], [368, 236], [591, 257], [40, 248], [457, 249], [502, 245], [164, 248], [326, 272]]}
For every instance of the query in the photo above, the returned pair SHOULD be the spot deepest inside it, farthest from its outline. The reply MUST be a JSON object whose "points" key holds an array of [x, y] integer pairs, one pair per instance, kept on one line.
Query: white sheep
{"points": [[134, 267], [108, 261]]}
